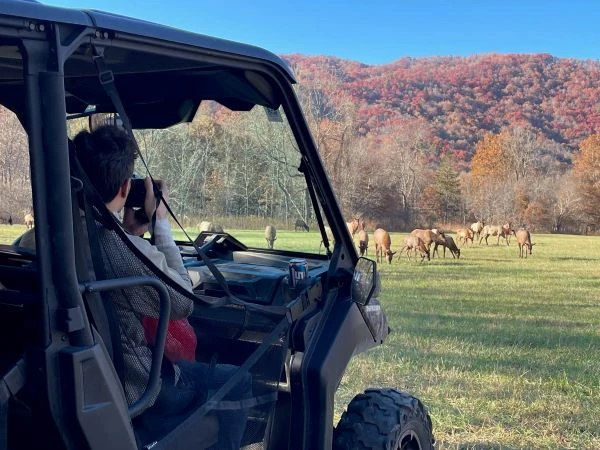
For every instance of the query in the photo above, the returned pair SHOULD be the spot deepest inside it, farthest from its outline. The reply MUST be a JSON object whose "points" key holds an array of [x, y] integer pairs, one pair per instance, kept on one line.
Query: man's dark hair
{"points": [[107, 155]]}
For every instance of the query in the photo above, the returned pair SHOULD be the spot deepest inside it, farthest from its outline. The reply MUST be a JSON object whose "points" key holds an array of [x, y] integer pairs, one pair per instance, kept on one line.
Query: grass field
{"points": [[503, 351]]}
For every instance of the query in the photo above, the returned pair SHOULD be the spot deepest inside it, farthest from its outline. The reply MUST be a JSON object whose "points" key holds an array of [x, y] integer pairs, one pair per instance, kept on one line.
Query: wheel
{"points": [[384, 419]]}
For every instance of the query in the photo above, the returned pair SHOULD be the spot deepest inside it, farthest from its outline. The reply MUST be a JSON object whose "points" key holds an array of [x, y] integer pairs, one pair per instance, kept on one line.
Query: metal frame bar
{"points": [[161, 333]]}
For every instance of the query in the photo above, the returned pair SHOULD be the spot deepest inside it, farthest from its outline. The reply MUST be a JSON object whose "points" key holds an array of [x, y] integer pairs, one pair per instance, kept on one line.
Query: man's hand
{"points": [[131, 223], [150, 201]]}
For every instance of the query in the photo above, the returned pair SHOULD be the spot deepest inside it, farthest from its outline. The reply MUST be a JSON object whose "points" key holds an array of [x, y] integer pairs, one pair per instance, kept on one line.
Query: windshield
{"points": [[237, 172]]}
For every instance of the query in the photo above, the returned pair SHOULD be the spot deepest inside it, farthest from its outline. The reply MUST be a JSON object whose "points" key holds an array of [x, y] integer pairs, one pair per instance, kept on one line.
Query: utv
{"points": [[221, 122]]}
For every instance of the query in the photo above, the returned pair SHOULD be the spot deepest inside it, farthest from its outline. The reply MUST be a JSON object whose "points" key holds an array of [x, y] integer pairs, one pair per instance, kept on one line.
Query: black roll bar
{"points": [[161, 334]]}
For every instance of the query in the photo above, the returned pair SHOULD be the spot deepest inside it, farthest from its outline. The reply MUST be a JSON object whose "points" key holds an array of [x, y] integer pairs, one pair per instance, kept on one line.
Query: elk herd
{"points": [[420, 241]]}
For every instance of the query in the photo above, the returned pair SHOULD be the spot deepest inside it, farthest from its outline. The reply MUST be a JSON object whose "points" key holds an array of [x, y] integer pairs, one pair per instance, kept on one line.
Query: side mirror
{"points": [[363, 281]]}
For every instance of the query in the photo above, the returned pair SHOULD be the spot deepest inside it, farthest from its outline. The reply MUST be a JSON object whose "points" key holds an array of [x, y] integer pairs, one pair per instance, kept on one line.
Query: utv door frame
{"points": [[78, 373], [314, 379]]}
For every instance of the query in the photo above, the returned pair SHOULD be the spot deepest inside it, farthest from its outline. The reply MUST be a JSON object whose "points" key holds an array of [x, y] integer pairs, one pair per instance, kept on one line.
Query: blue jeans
{"points": [[197, 382]]}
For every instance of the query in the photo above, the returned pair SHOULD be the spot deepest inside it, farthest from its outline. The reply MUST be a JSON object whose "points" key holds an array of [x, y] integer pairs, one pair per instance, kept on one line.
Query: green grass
{"points": [[502, 350], [8, 233]]}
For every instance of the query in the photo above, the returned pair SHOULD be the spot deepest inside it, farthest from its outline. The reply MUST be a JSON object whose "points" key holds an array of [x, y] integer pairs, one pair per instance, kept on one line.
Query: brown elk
{"points": [[383, 244], [450, 244], [464, 234], [477, 228], [6, 218], [330, 238], [497, 230], [428, 237], [28, 221], [270, 236], [524, 240], [414, 244], [363, 241], [353, 226], [300, 225], [209, 226]]}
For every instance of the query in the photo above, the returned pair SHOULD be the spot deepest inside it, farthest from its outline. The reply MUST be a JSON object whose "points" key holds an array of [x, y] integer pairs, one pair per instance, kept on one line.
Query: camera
{"points": [[137, 197], [137, 194]]}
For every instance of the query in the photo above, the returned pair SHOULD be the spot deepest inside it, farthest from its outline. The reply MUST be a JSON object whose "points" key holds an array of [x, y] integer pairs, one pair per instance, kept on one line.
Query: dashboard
{"points": [[257, 276]]}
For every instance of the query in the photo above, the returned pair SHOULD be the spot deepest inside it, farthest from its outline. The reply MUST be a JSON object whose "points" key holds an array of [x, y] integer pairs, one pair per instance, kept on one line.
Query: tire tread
{"points": [[375, 419]]}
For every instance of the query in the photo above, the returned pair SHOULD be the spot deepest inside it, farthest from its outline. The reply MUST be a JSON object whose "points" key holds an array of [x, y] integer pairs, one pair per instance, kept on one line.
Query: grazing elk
{"points": [[209, 226], [477, 228], [464, 234], [450, 244], [414, 244], [300, 225], [428, 237], [383, 244], [363, 241], [28, 221], [270, 236], [6, 218], [353, 226], [330, 238], [524, 241], [496, 230]]}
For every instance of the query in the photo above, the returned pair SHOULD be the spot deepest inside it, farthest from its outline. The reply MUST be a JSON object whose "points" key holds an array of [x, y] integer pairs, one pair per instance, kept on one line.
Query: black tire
{"points": [[384, 419]]}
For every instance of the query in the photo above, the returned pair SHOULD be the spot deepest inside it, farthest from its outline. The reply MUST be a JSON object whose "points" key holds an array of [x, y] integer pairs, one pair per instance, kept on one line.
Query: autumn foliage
{"points": [[464, 98], [415, 143], [586, 169], [488, 161]]}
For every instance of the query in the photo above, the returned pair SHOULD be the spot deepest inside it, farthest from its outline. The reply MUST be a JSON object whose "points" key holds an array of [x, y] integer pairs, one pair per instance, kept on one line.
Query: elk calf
{"points": [[270, 236], [383, 244], [428, 237], [414, 244]]}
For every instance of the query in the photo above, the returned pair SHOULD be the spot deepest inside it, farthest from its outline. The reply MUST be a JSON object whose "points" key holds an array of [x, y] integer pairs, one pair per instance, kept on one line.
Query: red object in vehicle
{"points": [[181, 339]]}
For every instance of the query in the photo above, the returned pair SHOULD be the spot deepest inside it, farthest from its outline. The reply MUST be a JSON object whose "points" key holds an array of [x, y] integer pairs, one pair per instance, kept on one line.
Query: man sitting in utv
{"points": [[107, 156]]}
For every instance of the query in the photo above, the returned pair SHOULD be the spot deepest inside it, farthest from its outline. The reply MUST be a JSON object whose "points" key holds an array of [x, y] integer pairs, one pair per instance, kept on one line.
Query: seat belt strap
{"points": [[215, 402], [107, 80]]}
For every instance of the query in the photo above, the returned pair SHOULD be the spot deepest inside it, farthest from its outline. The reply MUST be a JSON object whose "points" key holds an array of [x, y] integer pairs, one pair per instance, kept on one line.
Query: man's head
{"points": [[107, 155]]}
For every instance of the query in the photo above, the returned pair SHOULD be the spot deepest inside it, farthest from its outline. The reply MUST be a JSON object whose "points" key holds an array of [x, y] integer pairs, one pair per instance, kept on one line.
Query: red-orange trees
{"points": [[586, 169]]}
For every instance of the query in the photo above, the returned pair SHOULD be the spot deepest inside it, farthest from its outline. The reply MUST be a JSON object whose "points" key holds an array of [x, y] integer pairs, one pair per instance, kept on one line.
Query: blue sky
{"points": [[380, 31]]}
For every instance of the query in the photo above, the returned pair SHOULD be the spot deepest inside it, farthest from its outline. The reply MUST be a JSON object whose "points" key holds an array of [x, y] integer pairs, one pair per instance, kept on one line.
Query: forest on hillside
{"points": [[417, 143], [462, 98], [449, 140]]}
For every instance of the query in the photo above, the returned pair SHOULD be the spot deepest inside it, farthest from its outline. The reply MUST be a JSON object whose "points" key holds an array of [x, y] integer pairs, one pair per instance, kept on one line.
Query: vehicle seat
{"points": [[117, 253]]}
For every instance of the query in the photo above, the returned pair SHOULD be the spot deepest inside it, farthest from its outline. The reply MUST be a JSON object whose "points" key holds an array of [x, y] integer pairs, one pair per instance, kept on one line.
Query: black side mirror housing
{"points": [[364, 281]]}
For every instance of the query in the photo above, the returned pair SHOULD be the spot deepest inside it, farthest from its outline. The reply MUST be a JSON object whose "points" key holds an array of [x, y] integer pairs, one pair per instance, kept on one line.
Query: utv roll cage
{"points": [[63, 388]]}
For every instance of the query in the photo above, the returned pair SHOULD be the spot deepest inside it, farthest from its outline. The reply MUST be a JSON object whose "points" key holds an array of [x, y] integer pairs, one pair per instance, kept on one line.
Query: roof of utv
{"points": [[161, 72]]}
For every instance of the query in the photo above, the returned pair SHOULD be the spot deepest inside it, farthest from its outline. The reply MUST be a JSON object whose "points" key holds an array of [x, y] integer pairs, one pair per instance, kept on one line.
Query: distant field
{"points": [[503, 351]]}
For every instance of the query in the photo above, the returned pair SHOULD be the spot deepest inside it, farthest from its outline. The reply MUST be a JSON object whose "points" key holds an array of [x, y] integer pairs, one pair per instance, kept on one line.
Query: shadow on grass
{"points": [[571, 258], [508, 344], [532, 333], [477, 446]]}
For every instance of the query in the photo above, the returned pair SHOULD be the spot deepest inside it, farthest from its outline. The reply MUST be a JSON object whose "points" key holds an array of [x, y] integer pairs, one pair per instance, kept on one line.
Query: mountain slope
{"points": [[463, 97]]}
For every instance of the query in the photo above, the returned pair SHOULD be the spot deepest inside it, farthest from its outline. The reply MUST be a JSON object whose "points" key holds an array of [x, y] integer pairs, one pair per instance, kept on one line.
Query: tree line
{"points": [[397, 176]]}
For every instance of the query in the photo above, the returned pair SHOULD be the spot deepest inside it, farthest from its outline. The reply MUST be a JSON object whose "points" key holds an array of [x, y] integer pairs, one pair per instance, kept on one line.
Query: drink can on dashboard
{"points": [[298, 269]]}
